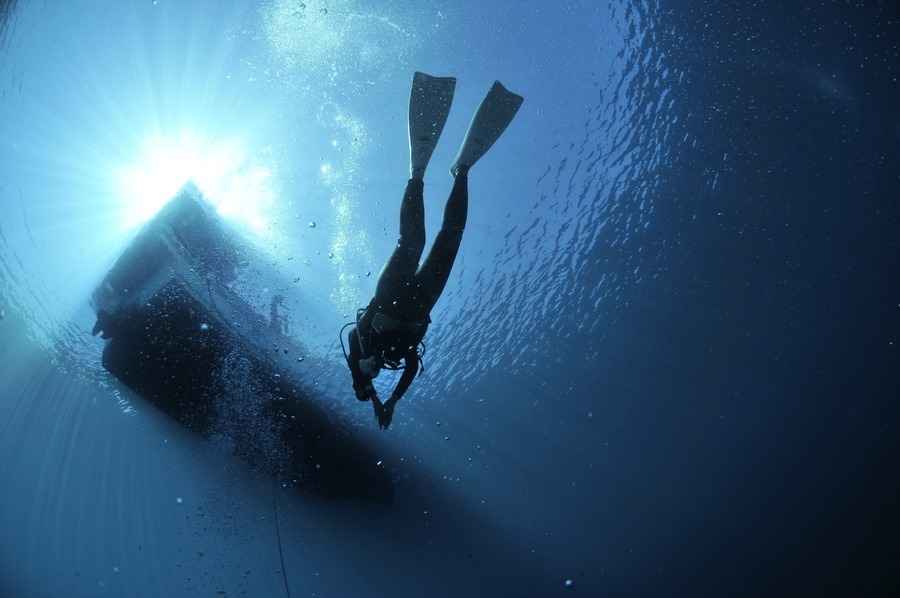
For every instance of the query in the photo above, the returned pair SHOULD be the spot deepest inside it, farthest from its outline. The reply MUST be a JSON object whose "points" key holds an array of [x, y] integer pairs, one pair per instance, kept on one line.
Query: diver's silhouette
{"points": [[390, 329]]}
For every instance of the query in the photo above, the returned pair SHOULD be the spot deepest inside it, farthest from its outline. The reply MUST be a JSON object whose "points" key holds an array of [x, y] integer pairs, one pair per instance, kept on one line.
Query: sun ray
{"points": [[239, 187]]}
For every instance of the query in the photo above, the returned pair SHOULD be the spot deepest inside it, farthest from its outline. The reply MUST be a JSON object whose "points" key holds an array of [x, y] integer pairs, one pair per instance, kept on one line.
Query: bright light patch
{"points": [[239, 189]]}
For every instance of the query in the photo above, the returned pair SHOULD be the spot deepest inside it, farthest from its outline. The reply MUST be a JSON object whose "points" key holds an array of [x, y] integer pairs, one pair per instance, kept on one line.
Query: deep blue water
{"points": [[666, 362]]}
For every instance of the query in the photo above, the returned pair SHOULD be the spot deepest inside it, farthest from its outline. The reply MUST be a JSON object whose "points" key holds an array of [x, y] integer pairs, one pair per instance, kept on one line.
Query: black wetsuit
{"points": [[396, 319]]}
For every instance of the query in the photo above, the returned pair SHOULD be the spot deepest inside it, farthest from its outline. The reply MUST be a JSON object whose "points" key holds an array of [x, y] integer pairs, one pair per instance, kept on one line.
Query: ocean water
{"points": [[666, 362]]}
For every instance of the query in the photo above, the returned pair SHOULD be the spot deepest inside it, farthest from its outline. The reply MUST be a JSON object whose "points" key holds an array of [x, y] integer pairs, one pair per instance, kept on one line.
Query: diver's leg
{"points": [[435, 271], [401, 267]]}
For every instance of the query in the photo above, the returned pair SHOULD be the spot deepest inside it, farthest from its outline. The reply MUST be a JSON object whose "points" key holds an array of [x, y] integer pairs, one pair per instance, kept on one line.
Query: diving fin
{"points": [[429, 105], [493, 116]]}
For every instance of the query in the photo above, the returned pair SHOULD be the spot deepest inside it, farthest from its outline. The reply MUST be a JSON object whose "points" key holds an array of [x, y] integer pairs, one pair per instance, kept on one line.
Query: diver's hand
{"points": [[378, 407], [387, 414], [361, 394], [365, 392]]}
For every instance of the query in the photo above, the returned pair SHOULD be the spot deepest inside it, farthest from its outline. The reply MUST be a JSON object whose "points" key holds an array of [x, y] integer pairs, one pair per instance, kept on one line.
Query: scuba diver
{"points": [[391, 328]]}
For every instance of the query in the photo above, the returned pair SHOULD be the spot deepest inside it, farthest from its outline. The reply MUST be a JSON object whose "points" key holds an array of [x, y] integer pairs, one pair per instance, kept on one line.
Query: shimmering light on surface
{"points": [[240, 189]]}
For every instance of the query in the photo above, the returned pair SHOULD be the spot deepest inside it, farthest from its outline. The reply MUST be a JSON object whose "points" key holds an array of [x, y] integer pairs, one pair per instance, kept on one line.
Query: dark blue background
{"points": [[668, 366]]}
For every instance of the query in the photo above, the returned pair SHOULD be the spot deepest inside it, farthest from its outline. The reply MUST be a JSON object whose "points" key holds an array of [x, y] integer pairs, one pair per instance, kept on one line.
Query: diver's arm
{"points": [[409, 374], [360, 382], [365, 322]]}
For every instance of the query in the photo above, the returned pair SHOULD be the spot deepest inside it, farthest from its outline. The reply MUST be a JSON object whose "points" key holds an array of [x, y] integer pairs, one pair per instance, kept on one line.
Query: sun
{"points": [[223, 171]]}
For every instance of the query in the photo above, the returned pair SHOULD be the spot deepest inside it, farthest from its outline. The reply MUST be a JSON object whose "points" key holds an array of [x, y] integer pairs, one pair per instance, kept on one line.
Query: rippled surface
{"points": [[566, 264], [664, 364]]}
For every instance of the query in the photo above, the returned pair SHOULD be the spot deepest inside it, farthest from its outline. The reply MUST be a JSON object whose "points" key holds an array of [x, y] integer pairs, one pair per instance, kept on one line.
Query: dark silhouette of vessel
{"points": [[181, 335]]}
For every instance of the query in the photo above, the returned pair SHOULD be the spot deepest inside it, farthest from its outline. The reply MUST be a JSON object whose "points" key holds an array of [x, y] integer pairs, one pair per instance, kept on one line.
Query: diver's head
{"points": [[370, 366]]}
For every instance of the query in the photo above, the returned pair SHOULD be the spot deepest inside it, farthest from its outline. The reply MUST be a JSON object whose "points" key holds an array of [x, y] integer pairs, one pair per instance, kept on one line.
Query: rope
{"points": [[287, 589]]}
